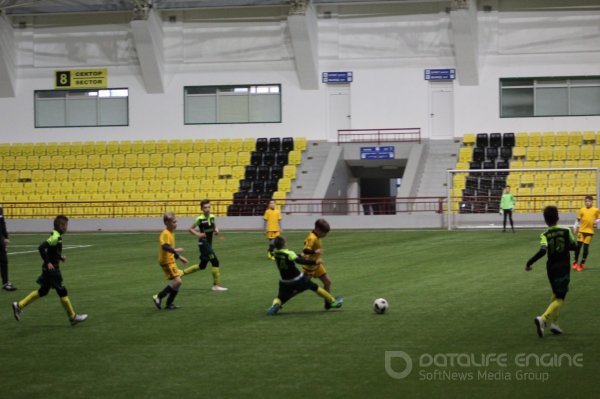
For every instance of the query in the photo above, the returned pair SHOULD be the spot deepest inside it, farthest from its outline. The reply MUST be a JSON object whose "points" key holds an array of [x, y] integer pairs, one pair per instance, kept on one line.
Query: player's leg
{"points": [[577, 251], [6, 285], [560, 287], [31, 297], [175, 285], [327, 287], [286, 292], [504, 217], [510, 218], [216, 272]]}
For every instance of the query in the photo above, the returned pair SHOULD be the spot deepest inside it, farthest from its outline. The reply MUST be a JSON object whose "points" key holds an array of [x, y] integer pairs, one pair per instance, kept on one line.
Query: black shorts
{"points": [[288, 290]]}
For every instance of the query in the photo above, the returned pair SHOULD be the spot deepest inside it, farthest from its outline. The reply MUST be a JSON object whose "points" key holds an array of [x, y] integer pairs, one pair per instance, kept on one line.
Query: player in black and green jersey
{"points": [[51, 253], [293, 281], [557, 242], [204, 227]]}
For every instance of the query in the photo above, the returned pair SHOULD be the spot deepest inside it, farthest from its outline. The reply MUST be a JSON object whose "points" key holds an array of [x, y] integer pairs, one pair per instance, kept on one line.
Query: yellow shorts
{"points": [[171, 271], [314, 271], [585, 238], [272, 234]]}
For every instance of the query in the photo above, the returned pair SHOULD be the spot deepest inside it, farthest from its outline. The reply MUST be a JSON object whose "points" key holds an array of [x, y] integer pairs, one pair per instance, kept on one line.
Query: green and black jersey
{"points": [[206, 225], [51, 250], [286, 260], [558, 241]]}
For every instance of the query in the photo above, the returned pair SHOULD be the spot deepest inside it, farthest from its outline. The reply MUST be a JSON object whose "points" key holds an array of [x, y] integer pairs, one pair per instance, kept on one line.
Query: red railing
{"points": [[395, 135]]}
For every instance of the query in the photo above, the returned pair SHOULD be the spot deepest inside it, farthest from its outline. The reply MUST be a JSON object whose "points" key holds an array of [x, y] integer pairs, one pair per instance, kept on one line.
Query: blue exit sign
{"points": [[440, 74], [337, 77], [383, 152]]}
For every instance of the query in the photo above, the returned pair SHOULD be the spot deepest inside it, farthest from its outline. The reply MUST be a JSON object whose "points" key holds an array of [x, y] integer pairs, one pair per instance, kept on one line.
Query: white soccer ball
{"points": [[380, 305]]}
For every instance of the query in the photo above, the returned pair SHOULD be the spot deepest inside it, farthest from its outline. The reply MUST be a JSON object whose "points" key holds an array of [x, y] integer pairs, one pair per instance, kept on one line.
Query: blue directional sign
{"points": [[440, 74], [384, 152], [337, 77]]}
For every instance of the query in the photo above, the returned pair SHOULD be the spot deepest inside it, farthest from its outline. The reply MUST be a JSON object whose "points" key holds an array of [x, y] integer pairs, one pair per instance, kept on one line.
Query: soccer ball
{"points": [[380, 305]]}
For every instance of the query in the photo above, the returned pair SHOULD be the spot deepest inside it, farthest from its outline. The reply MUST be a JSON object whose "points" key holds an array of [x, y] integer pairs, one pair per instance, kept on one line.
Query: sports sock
{"points": [[168, 289], [216, 276], [551, 313], [191, 269], [172, 295], [68, 307], [33, 295], [276, 301], [322, 293]]}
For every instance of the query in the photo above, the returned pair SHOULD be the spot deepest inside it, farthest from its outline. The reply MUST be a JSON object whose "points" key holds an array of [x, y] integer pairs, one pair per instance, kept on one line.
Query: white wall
{"points": [[387, 54]]}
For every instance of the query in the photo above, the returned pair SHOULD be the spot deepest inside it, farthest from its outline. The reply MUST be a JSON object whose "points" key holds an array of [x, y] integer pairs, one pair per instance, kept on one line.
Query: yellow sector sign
{"points": [[81, 79]]}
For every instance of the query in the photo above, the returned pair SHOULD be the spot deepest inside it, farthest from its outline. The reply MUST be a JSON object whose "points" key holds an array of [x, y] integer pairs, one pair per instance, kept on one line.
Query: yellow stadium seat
{"points": [[219, 185], [76, 148], [199, 172], [7, 162], [137, 173], [459, 165], [225, 172], [224, 145], [232, 185], [168, 160], [212, 172], [124, 147], [561, 138], [25, 174], [212, 145], [573, 152], [74, 174], [532, 153], [589, 137], [162, 174], [285, 185], [93, 161], [193, 159], [516, 164], [149, 147], [585, 163], [548, 139], [124, 174], [545, 153], [529, 164], [575, 138], [57, 161], [187, 146], [16, 150], [156, 160], [149, 174], [587, 152], [181, 159], [105, 160], [199, 146], [81, 161], [118, 160], [519, 152], [112, 147], [465, 154], [559, 153], [294, 157], [236, 145], [521, 139], [535, 139], [137, 147], [238, 172], [112, 174], [100, 148], [174, 146], [174, 173], [33, 162], [187, 173], [249, 144], [99, 174], [231, 158], [4, 149], [162, 146], [52, 149], [218, 159], [244, 158], [68, 161], [130, 160], [300, 143], [570, 164], [289, 171], [143, 160]]}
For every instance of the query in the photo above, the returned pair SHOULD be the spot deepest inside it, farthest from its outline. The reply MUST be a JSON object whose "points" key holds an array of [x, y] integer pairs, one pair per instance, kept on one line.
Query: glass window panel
{"points": [[585, 100], [113, 111], [265, 108], [233, 109], [201, 109], [82, 112], [50, 113], [517, 102], [551, 101]]}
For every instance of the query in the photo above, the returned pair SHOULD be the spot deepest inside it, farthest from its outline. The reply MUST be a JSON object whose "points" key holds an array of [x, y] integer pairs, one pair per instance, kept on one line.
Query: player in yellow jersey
{"points": [[273, 228], [313, 251], [167, 254], [584, 227]]}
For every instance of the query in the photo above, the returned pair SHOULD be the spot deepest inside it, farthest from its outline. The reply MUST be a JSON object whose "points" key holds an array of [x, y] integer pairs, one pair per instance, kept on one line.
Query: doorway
{"points": [[441, 110], [339, 109]]}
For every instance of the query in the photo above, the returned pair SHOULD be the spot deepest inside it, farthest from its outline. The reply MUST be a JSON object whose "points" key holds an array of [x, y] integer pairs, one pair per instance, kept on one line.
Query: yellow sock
{"points": [[191, 269], [33, 295], [68, 307], [216, 276], [321, 292], [276, 301], [551, 314]]}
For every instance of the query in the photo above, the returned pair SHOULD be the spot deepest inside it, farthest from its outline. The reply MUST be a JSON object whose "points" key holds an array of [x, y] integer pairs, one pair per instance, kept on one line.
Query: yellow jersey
{"points": [[164, 257], [272, 218], [587, 218]]}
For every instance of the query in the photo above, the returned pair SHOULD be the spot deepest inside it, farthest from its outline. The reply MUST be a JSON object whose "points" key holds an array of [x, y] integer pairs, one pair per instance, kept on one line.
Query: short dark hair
{"points": [[322, 225], [204, 202], [279, 242], [60, 221], [551, 215], [589, 197]]}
